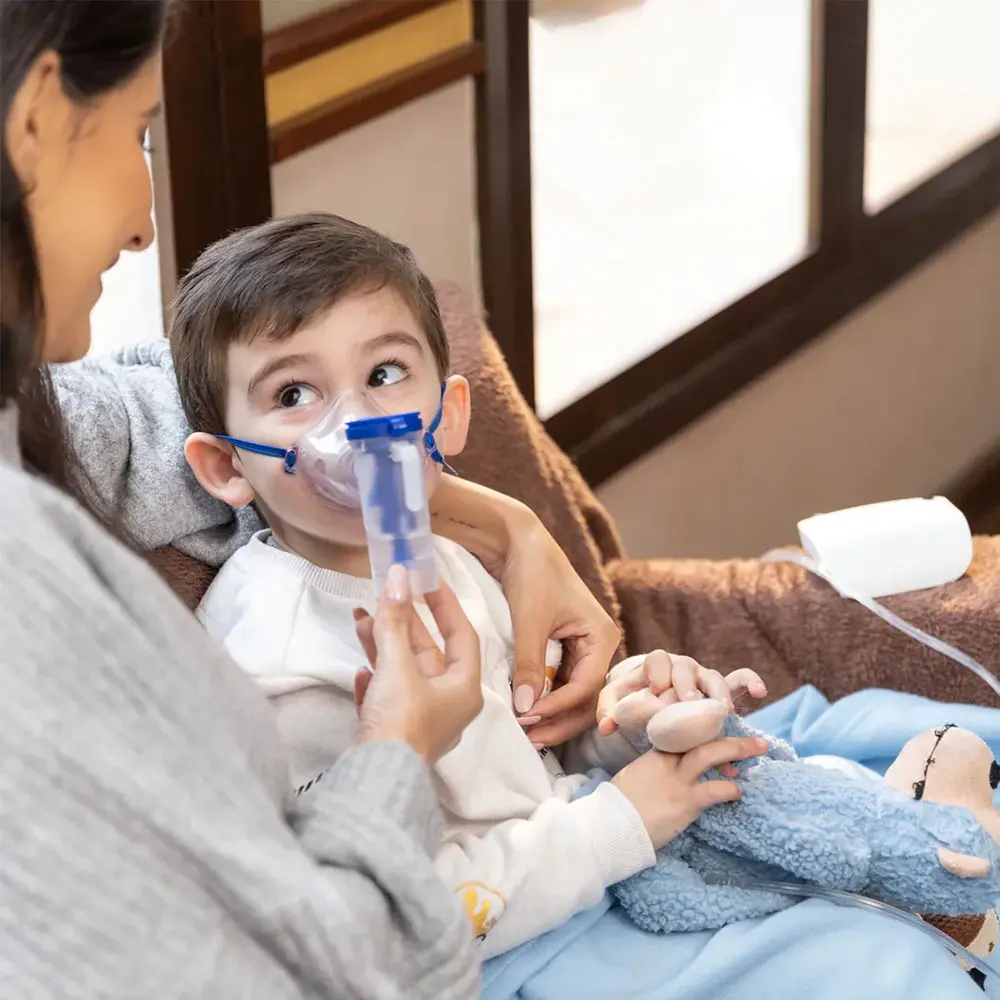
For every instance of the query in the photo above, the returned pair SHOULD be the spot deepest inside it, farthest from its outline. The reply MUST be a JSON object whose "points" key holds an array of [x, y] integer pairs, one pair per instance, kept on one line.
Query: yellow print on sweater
{"points": [[483, 906]]}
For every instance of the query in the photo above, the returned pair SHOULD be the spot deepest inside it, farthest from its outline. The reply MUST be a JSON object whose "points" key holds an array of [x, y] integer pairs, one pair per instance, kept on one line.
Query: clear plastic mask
{"points": [[323, 456]]}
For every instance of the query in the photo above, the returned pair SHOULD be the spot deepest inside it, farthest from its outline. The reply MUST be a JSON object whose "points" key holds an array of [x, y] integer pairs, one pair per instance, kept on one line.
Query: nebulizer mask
{"points": [[881, 550], [360, 460]]}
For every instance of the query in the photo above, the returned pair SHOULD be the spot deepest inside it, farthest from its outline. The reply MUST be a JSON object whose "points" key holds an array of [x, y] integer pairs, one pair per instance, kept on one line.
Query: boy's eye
{"points": [[387, 374], [295, 395]]}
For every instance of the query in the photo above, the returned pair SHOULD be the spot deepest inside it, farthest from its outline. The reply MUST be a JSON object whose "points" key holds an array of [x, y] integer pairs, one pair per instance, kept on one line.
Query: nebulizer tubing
{"points": [[785, 555], [862, 903]]}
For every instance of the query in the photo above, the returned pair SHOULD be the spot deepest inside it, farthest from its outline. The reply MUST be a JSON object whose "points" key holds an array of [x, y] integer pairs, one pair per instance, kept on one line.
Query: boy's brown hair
{"points": [[272, 280]]}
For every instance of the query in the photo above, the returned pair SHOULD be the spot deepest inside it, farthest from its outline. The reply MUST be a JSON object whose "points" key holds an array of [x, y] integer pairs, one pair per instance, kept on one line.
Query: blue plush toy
{"points": [[800, 822]]}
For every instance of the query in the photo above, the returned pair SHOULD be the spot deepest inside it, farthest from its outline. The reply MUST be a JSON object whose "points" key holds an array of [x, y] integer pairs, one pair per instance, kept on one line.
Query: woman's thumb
{"points": [[392, 621]]}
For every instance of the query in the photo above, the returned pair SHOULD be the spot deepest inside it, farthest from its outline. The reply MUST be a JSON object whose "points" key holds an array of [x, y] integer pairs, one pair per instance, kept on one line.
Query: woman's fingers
{"points": [[364, 628], [361, 681], [532, 623], [555, 731], [425, 649], [703, 758], [461, 644], [392, 630]]}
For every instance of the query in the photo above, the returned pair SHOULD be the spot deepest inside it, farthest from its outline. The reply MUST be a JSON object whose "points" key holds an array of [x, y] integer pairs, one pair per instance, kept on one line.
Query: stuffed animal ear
{"points": [[963, 865]]}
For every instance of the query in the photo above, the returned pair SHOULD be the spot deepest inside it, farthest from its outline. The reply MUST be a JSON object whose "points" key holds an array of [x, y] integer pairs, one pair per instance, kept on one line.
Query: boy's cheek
{"points": [[287, 500]]}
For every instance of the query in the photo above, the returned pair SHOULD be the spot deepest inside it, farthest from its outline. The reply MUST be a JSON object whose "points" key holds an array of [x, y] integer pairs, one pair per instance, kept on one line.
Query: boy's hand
{"points": [[666, 789], [678, 678]]}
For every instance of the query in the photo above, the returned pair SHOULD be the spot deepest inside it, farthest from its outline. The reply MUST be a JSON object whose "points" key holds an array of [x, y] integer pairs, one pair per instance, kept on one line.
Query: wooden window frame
{"points": [[216, 129], [219, 153], [219, 148], [854, 256]]}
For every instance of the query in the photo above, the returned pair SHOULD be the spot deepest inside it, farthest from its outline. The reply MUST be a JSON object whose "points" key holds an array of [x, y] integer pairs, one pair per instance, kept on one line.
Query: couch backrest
{"points": [[508, 450]]}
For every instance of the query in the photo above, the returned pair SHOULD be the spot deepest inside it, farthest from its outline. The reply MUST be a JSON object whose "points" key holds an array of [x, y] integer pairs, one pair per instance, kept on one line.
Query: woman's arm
{"points": [[547, 599], [125, 422], [143, 792]]}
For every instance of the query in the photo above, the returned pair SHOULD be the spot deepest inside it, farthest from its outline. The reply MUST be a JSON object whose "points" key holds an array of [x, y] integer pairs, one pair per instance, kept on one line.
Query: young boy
{"points": [[272, 328]]}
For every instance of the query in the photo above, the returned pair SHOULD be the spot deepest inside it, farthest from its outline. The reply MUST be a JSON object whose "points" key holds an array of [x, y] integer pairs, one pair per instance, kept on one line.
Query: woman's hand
{"points": [[547, 599], [666, 788], [416, 693]]}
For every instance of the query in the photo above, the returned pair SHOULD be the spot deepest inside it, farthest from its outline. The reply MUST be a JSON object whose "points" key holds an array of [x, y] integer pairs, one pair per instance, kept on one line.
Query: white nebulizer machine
{"points": [[884, 549], [390, 459], [890, 548]]}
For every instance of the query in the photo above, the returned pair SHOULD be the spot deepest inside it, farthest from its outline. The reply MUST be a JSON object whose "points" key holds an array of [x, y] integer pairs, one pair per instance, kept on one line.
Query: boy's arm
{"points": [[126, 426], [524, 877]]}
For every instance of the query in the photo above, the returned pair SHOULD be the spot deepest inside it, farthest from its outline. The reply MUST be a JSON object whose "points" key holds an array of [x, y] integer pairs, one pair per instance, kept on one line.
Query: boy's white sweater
{"points": [[522, 854]]}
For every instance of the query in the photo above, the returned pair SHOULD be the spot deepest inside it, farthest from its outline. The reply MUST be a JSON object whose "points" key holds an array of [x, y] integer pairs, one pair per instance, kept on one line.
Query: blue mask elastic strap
{"points": [[430, 444], [268, 450]]}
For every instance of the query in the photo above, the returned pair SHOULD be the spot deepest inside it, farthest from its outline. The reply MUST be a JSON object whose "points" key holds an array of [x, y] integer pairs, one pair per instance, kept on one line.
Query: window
{"points": [[701, 188], [933, 89], [669, 151], [673, 195]]}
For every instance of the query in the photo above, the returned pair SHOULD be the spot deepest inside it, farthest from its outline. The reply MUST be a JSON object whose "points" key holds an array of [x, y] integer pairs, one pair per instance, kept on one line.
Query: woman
{"points": [[148, 843]]}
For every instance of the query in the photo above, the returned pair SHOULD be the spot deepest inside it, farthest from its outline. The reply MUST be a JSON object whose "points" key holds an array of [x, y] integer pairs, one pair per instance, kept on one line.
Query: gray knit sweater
{"points": [[148, 845], [124, 416]]}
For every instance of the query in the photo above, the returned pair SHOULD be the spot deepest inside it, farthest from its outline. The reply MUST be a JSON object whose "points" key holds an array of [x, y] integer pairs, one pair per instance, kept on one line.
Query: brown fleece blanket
{"points": [[791, 628]]}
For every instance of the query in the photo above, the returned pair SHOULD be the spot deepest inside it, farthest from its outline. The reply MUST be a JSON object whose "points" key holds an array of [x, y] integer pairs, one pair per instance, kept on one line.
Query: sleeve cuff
{"points": [[390, 779], [617, 834]]}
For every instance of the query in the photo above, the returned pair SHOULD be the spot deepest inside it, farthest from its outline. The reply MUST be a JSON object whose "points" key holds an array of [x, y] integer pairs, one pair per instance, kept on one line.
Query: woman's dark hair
{"points": [[101, 44]]}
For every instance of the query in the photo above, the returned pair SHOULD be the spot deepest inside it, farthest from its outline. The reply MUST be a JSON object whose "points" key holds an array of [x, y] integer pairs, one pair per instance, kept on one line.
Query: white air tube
{"points": [[862, 903]]}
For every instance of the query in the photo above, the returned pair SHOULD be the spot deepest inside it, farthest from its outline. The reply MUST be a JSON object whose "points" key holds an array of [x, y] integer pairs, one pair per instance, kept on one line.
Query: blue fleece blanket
{"points": [[815, 949]]}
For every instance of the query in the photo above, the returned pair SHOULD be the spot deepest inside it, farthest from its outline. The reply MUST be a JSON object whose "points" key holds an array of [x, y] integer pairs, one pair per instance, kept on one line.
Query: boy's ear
{"points": [[217, 467], [456, 411]]}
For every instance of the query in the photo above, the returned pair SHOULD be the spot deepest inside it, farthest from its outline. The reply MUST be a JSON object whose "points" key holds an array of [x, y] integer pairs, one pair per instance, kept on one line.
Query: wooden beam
{"points": [[321, 123], [503, 145], [841, 110], [217, 142], [345, 22]]}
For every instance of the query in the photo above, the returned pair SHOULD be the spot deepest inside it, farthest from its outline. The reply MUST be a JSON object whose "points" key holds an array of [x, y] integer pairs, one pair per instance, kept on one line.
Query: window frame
{"points": [[219, 152], [854, 256]]}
